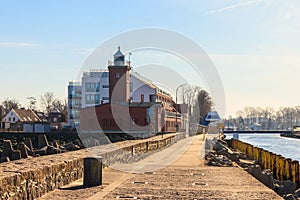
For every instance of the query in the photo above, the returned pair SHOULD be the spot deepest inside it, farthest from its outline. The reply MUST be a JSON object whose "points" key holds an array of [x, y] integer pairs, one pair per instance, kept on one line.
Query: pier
{"points": [[186, 178]]}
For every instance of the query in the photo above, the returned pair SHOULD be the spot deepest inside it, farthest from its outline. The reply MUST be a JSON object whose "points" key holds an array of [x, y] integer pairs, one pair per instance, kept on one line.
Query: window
{"points": [[117, 75], [105, 98], [142, 97], [14, 119], [131, 86], [9, 119], [92, 98], [92, 87], [104, 75], [152, 98], [105, 86]]}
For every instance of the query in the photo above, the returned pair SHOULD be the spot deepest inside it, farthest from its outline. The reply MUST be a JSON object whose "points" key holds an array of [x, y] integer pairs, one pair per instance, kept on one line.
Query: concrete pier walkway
{"points": [[185, 177]]}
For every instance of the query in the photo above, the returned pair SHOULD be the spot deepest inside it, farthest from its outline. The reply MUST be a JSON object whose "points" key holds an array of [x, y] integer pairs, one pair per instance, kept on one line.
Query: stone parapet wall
{"points": [[33, 177]]}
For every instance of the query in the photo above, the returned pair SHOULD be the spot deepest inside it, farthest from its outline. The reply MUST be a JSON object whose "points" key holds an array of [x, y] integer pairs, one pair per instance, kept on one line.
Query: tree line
{"points": [[46, 102], [283, 118]]}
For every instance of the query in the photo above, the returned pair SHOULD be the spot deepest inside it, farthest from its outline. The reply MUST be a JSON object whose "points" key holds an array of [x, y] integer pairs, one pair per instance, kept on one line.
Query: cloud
{"points": [[234, 6], [18, 44]]}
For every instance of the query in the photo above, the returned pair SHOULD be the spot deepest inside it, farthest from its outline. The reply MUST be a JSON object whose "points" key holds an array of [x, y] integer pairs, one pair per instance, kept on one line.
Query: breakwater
{"points": [[281, 167], [32, 177]]}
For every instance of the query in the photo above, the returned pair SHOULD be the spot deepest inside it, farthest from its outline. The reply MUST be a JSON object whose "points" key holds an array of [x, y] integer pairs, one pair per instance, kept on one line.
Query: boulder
{"points": [[266, 176], [16, 155], [42, 141], [7, 148], [288, 187], [290, 197], [41, 152], [23, 149], [78, 143], [4, 159], [28, 143], [52, 150], [297, 193], [71, 147]]}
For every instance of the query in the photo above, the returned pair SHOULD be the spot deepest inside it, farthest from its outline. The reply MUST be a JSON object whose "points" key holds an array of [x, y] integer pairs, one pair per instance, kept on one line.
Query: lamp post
{"points": [[176, 123]]}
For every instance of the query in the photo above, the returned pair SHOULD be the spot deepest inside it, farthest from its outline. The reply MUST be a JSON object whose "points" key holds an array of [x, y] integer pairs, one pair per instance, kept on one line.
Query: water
{"points": [[287, 147]]}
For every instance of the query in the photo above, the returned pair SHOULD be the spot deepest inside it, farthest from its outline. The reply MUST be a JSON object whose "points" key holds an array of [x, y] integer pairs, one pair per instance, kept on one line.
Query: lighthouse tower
{"points": [[119, 79]]}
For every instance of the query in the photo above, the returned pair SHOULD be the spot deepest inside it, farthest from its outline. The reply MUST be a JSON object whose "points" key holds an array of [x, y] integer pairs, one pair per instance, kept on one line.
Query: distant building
{"points": [[26, 121], [74, 103], [56, 118], [212, 116], [140, 106]]}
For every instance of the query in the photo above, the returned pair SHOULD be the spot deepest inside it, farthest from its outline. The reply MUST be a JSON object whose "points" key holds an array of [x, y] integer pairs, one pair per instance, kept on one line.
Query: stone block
{"points": [[16, 155], [28, 143], [23, 149], [4, 159], [71, 147], [42, 141], [7, 148], [52, 150], [290, 197], [41, 152], [297, 193]]}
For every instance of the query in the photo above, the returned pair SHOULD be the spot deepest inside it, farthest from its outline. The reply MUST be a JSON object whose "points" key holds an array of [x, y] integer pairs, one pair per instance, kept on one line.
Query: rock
{"points": [[4, 159], [42, 141], [41, 152], [78, 143], [288, 187], [1, 153], [7, 148], [52, 150], [16, 155], [71, 147], [266, 177], [55, 144], [28, 143], [297, 192], [218, 146], [290, 197], [23, 149]]}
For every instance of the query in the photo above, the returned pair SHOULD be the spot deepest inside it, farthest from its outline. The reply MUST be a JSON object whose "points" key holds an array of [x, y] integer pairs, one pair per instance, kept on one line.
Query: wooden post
{"points": [[92, 171], [295, 172]]}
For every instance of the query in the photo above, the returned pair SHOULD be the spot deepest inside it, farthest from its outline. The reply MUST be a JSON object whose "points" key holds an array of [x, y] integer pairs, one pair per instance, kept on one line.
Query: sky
{"points": [[254, 44]]}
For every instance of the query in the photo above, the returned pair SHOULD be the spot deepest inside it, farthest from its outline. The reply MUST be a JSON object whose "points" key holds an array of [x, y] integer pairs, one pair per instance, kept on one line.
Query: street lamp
{"points": [[176, 123]]}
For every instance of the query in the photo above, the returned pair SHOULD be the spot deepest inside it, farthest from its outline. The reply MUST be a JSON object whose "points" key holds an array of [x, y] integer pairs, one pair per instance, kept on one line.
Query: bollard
{"points": [[92, 171]]}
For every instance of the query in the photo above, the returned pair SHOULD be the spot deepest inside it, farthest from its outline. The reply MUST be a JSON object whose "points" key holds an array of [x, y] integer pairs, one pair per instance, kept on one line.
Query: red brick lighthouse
{"points": [[119, 79]]}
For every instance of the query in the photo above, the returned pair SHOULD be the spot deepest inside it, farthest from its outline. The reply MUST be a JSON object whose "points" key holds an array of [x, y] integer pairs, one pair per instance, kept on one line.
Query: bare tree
{"points": [[47, 101], [32, 103], [61, 106], [9, 104]]}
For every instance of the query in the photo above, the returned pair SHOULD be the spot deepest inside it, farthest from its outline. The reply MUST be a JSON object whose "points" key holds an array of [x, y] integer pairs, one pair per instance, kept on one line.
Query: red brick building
{"points": [[121, 115]]}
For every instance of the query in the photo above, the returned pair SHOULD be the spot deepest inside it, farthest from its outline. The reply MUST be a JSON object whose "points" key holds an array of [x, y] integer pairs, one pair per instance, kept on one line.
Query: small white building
{"points": [[25, 120]]}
